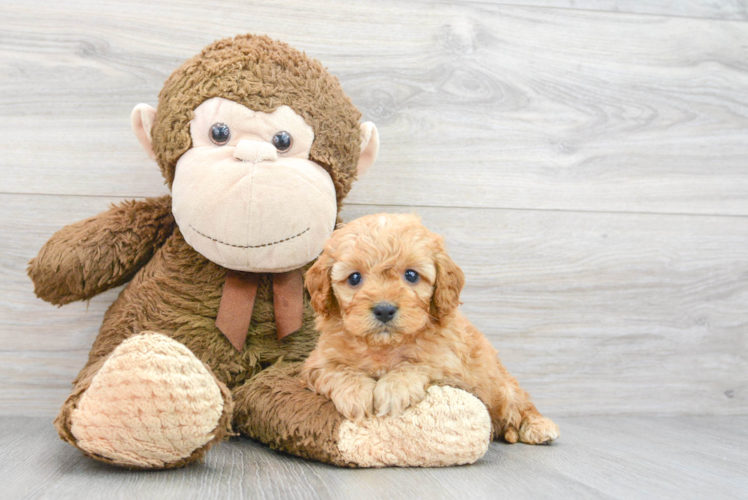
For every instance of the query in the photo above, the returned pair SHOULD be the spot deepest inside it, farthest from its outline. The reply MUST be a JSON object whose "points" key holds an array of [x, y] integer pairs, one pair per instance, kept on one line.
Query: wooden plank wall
{"points": [[587, 161]]}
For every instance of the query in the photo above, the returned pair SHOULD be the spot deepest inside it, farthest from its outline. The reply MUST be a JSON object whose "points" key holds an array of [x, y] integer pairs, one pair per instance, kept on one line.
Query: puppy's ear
{"points": [[317, 280], [449, 282]]}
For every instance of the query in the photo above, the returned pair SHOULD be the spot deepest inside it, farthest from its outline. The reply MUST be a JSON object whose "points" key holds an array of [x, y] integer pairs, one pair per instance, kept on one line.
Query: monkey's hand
{"points": [[93, 255]]}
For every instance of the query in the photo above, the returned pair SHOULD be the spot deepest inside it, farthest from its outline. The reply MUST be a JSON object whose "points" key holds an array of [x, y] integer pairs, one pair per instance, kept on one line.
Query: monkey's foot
{"points": [[448, 427], [152, 404]]}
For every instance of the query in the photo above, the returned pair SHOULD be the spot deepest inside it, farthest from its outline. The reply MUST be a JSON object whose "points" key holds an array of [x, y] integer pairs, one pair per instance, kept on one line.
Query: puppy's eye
{"points": [[220, 134], [411, 276], [354, 279], [282, 141]]}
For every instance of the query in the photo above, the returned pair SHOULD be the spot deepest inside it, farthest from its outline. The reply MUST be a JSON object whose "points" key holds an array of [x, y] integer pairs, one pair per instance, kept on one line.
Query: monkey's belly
{"points": [[177, 294]]}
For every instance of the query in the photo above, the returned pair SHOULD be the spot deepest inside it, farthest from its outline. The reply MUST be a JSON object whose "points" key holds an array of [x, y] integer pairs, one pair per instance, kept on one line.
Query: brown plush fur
{"points": [[366, 366], [311, 433], [93, 255], [177, 294], [261, 74], [175, 290]]}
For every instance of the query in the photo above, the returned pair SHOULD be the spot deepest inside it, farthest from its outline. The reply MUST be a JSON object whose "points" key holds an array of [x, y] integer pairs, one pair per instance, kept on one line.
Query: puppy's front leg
{"points": [[351, 391], [400, 388], [353, 395]]}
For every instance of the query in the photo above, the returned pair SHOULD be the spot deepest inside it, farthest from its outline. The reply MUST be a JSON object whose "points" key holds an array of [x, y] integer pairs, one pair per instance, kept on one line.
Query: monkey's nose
{"points": [[384, 311], [255, 151]]}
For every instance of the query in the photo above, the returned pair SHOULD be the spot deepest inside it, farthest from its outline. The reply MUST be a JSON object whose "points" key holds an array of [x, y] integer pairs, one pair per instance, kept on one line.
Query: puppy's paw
{"points": [[511, 435], [397, 391], [538, 430], [354, 399]]}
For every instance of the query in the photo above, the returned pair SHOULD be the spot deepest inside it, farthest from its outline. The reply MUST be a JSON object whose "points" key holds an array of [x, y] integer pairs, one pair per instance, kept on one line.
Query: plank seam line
{"points": [[564, 210], [459, 207]]}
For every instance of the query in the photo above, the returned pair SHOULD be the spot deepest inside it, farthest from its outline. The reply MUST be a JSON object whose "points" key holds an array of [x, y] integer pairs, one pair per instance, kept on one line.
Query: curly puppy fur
{"points": [[370, 367]]}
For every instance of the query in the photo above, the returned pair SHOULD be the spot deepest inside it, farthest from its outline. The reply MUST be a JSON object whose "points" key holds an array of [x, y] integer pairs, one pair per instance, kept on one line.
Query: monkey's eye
{"points": [[220, 134], [282, 141], [411, 276], [354, 279]]}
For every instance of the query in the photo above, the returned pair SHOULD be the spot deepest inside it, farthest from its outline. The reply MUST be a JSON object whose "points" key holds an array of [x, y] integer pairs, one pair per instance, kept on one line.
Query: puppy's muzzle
{"points": [[384, 311]]}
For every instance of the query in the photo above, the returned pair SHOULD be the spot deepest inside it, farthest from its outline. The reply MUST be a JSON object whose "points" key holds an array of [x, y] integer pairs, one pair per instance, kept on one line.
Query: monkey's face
{"points": [[246, 195]]}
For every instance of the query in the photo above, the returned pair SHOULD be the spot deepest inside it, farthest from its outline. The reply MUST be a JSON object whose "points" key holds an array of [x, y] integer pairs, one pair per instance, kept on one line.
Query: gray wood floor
{"points": [[597, 457], [586, 160]]}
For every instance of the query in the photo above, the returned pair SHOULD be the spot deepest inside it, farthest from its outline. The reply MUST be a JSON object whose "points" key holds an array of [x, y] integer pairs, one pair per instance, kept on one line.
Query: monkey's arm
{"points": [[93, 255], [449, 427]]}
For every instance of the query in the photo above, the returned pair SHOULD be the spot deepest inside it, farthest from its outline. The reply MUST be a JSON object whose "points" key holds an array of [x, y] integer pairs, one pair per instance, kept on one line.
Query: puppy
{"points": [[386, 295]]}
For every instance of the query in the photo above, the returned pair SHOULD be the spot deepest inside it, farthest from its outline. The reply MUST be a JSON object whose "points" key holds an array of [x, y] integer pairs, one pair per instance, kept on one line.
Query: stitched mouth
{"points": [[249, 246]]}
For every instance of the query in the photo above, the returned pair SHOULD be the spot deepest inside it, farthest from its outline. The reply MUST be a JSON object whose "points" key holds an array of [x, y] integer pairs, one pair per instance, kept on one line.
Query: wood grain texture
{"points": [[595, 313], [479, 104], [736, 10], [596, 457]]}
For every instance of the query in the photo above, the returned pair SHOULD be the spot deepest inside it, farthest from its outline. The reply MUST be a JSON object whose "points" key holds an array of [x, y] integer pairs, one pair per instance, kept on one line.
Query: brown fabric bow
{"points": [[238, 299]]}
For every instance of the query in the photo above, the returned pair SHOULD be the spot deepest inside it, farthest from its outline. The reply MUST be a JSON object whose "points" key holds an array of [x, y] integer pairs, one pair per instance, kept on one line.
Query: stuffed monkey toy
{"points": [[258, 145]]}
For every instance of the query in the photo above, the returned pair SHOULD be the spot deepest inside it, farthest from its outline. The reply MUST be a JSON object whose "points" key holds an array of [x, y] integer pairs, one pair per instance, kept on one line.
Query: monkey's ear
{"points": [[369, 147], [142, 119]]}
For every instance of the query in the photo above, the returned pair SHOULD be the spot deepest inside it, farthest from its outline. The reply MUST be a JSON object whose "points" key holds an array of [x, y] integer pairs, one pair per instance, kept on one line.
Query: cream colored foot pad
{"points": [[152, 403], [449, 427]]}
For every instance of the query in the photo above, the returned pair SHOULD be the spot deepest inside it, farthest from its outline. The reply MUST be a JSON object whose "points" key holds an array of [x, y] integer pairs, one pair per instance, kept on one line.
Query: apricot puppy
{"points": [[386, 295]]}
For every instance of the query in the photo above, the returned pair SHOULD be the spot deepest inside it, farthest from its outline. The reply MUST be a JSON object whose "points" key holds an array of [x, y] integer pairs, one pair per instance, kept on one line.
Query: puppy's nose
{"points": [[384, 311]]}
